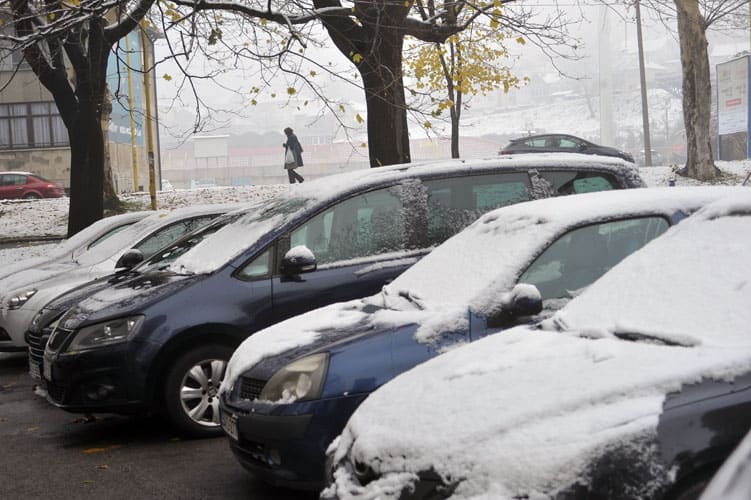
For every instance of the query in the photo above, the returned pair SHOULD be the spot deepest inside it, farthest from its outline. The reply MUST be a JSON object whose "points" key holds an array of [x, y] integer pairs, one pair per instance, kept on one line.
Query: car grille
{"points": [[37, 342], [250, 388]]}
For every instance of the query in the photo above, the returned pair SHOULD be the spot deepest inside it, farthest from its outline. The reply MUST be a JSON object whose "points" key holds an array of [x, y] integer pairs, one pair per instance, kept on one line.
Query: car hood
{"points": [[127, 297], [336, 323], [520, 413]]}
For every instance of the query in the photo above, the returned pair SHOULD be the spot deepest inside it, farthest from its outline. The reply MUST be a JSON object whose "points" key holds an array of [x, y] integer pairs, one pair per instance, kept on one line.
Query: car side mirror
{"points": [[298, 260], [523, 300], [130, 259]]}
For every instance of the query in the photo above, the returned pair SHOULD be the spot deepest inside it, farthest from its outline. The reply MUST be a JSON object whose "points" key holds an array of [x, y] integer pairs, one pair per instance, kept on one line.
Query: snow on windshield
{"points": [[479, 264], [540, 406]]}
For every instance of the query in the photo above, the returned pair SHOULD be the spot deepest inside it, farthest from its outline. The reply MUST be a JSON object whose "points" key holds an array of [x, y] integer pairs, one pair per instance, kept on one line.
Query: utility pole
{"points": [[145, 47], [607, 134], [643, 79]]}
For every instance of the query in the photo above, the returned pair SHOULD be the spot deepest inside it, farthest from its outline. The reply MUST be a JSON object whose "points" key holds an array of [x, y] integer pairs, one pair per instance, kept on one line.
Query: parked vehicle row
{"points": [[305, 328], [177, 320]]}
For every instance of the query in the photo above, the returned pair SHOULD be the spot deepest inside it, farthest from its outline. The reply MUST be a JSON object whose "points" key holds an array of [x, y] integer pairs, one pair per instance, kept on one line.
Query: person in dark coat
{"points": [[293, 145]]}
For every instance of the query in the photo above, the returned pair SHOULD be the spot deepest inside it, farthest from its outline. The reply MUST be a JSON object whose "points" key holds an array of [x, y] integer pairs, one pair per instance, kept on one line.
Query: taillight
{"points": [[50, 186]]}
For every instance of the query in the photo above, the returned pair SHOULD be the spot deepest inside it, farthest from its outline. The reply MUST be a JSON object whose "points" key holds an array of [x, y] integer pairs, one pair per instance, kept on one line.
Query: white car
{"points": [[635, 389], [19, 304], [67, 251]]}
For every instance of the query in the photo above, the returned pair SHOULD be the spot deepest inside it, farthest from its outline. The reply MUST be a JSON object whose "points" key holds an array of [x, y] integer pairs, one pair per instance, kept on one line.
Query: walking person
{"points": [[292, 156]]}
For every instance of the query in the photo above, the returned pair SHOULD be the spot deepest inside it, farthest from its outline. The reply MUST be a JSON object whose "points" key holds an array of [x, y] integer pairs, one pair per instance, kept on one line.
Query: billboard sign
{"points": [[126, 59], [732, 96]]}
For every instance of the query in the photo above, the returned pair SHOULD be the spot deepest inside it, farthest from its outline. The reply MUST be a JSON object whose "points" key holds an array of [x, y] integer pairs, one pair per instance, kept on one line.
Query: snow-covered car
{"points": [[23, 298], [332, 239], [66, 252], [635, 389], [290, 389]]}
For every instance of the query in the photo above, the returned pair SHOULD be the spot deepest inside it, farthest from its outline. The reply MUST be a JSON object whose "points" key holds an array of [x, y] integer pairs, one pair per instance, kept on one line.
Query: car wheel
{"points": [[31, 196], [191, 390]]}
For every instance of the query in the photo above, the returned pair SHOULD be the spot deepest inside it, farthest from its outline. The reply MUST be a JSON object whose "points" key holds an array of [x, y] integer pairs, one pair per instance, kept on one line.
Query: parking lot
{"points": [[49, 453]]}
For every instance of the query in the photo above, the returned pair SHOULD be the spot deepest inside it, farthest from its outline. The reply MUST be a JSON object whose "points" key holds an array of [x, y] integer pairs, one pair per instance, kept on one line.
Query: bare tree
{"points": [[370, 33], [67, 45], [694, 18]]}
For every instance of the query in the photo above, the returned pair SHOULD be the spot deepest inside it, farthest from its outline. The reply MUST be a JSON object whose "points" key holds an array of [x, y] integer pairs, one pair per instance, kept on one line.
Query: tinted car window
{"points": [[455, 203], [12, 180], [582, 255], [171, 233], [259, 267], [579, 182], [568, 143], [365, 225]]}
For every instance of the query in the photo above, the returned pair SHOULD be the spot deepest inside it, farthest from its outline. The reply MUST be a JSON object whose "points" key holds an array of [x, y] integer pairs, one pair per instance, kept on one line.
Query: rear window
{"points": [[567, 182]]}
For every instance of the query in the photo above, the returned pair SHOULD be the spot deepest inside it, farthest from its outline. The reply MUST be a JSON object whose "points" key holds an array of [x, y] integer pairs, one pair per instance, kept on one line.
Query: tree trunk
{"points": [[86, 138], [388, 134], [697, 90], [456, 116]]}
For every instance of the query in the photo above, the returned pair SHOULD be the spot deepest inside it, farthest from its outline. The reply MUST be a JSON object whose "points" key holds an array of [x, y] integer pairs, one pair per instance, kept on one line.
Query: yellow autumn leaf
{"points": [[313, 73], [427, 125], [521, 40], [356, 58], [359, 118], [253, 102], [341, 108], [273, 95], [167, 77], [291, 91], [364, 145]]}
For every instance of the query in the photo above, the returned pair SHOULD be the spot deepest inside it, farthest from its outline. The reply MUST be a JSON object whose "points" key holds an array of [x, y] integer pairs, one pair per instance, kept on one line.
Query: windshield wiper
{"points": [[639, 336]]}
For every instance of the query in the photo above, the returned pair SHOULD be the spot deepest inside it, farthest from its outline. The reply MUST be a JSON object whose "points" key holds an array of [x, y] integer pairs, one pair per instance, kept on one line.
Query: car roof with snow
{"points": [[271, 215], [523, 412]]}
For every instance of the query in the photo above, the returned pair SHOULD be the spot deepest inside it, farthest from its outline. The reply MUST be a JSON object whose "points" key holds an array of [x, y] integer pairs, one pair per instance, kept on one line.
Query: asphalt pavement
{"points": [[47, 453]]}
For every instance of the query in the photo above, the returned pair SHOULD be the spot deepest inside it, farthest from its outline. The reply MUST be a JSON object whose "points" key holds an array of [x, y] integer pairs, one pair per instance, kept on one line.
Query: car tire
{"points": [[191, 390], [31, 196]]}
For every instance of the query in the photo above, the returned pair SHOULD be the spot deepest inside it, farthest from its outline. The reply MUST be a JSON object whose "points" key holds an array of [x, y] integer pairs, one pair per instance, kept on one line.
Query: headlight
{"points": [[298, 381], [19, 300], [103, 334]]}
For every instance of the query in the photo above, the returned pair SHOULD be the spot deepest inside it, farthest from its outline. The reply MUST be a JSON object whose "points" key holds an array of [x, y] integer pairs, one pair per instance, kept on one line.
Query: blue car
{"points": [[159, 340], [290, 389]]}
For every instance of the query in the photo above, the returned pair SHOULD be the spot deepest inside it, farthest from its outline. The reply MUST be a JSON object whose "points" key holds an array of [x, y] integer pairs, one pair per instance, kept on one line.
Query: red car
{"points": [[28, 186]]}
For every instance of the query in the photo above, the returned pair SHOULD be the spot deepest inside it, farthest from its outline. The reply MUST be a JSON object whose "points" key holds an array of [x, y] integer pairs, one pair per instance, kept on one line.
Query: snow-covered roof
{"points": [[15, 172], [525, 412]]}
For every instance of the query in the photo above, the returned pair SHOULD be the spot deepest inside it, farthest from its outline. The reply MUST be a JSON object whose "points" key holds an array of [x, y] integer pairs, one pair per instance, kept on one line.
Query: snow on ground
{"points": [[31, 219]]}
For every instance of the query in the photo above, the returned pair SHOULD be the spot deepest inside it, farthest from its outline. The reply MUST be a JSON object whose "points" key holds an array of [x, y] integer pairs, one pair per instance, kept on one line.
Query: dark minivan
{"points": [[160, 339]]}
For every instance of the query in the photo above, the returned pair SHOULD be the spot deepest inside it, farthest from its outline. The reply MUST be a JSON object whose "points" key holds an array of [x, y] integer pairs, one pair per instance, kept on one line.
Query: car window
{"points": [[571, 182], [365, 225], [455, 203], [4, 180], [12, 180], [535, 143], [170, 234], [109, 233], [582, 255], [260, 267], [568, 143]]}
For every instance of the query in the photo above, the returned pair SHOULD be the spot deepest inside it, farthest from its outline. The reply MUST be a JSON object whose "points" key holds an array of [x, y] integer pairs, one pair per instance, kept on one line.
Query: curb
{"points": [[31, 239]]}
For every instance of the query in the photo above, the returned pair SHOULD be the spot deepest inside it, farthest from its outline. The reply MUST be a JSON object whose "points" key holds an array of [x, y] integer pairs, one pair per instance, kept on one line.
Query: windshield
{"points": [[219, 245], [162, 260]]}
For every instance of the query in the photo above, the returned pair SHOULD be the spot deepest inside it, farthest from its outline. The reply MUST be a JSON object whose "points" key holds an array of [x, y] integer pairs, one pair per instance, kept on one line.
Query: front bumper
{"points": [[13, 325], [285, 444], [96, 381]]}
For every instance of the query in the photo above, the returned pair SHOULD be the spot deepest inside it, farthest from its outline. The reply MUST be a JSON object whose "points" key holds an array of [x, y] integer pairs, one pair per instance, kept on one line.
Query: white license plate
{"points": [[46, 370], [35, 371], [229, 424]]}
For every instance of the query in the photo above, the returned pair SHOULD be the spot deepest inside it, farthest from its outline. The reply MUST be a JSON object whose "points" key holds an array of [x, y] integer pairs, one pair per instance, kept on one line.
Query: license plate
{"points": [[46, 370], [229, 424], [34, 371]]}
